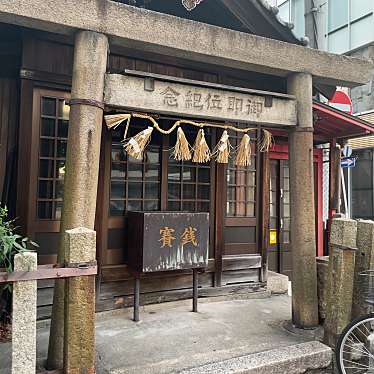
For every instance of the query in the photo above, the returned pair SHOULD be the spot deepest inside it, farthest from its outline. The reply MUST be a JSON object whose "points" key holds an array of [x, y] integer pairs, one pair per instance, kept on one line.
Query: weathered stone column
{"points": [[303, 241], [364, 261], [340, 285], [82, 161], [79, 337], [24, 317], [322, 285]]}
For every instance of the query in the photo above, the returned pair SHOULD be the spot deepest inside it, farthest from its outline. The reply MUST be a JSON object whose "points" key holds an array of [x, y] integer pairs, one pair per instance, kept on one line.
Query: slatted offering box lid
{"points": [[160, 241]]}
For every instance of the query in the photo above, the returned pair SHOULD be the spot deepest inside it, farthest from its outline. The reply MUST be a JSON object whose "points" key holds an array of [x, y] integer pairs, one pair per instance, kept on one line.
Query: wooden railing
{"points": [[82, 246]]}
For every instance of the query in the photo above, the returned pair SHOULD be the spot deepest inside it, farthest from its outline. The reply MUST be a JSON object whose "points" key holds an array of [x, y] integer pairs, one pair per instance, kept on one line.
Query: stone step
{"points": [[294, 359]]}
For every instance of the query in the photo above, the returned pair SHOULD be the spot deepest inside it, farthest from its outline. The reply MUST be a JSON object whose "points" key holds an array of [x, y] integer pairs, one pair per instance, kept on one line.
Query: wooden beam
{"points": [[47, 273]]}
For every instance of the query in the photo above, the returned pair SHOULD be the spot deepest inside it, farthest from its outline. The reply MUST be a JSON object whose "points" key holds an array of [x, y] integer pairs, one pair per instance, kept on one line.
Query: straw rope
{"points": [[136, 144]]}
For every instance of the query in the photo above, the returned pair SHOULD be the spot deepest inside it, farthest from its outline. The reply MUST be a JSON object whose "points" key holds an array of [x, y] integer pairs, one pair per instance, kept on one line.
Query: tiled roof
{"points": [[286, 27]]}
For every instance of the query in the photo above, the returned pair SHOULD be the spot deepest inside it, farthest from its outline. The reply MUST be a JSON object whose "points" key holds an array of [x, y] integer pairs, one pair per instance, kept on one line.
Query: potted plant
{"points": [[11, 243]]}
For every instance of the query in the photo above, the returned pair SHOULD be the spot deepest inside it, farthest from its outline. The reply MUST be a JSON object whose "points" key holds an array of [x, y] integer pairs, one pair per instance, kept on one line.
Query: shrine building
{"points": [[110, 107]]}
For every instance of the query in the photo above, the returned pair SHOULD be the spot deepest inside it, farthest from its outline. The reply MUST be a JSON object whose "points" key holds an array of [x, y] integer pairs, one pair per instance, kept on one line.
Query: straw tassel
{"points": [[222, 149], [202, 152], [243, 158], [135, 146], [114, 120], [266, 142], [181, 151]]}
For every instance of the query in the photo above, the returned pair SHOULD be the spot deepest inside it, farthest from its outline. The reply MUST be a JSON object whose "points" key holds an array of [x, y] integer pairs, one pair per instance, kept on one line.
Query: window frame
{"points": [[128, 163], [36, 224], [351, 190], [347, 25], [119, 221], [247, 172]]}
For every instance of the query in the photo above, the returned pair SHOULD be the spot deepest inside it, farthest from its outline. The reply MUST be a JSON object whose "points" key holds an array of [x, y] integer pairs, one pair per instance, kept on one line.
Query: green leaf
{"points": [[19, 246]]}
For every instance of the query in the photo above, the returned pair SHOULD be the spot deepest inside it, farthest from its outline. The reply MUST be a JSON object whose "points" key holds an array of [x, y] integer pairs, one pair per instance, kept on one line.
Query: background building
{"points": [[338, 26], [344, 27]]}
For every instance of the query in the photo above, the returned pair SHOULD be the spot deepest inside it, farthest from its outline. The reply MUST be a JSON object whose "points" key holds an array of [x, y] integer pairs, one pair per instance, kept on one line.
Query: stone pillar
{"points": [[82, 161], [369, 345], [24, 317], [322, 285], [340, 285], [79, 337], [303, 234], [364, 261]]}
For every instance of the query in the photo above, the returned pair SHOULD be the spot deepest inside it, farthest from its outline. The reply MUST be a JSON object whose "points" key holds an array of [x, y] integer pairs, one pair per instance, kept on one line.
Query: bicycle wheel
{"points": [[355, 347]]}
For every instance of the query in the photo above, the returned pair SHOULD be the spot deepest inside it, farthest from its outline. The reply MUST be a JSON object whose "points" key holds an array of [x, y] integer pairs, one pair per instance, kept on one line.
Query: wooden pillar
{"points": [[265, 214], [335, 179], [82, 161], [303, 236], [219, 223], [334, 184]]}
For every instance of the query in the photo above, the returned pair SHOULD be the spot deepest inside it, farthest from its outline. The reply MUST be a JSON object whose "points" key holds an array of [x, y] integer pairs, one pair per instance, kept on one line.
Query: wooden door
{"points": [[285, 217], [274, 223], [279, 241], [241, 260], [47, 135], [279, 250]]}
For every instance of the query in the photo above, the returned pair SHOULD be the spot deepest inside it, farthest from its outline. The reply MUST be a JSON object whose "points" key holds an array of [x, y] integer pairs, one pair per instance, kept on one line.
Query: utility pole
{"points": [[311, 26]]}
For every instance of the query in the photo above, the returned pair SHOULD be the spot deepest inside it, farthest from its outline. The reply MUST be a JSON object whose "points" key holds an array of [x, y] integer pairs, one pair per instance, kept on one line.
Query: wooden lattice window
{"points": [[53, 133], [135, 185], [241, 184], [189, 182]]}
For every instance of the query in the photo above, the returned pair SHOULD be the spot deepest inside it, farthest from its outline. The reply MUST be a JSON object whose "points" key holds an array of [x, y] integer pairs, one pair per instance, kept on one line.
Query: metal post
{"points": [[346, 211], [136, 298], [195, 290]]}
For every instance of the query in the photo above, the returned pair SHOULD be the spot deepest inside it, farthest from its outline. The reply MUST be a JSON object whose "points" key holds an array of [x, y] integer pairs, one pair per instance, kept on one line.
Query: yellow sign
{"points": [[273, 237]]}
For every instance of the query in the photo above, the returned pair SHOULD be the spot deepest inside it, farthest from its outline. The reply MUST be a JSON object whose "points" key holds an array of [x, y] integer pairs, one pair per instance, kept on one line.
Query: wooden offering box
{"points": [[163, 241]]}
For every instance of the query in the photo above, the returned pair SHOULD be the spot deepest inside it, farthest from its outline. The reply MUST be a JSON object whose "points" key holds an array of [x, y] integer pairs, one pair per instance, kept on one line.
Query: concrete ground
{"points": [[171, 338]]}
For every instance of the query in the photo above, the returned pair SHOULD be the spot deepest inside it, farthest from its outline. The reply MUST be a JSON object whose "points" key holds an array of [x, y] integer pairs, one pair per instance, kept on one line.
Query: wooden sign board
{"points": [[160, 241], [187, 100]]}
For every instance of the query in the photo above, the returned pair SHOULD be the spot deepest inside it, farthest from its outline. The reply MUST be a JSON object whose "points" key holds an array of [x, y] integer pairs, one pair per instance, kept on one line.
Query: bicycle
{"points": [[355, 346]]}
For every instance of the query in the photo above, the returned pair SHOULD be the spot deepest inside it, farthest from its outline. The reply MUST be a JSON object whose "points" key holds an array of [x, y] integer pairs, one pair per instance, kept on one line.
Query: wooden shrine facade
{"points": [[233, 196], [39, 68]]}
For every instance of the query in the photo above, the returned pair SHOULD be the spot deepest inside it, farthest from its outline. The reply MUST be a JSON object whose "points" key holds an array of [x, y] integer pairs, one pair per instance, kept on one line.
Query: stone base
{"points": [[277, 283], [299, 358]]}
